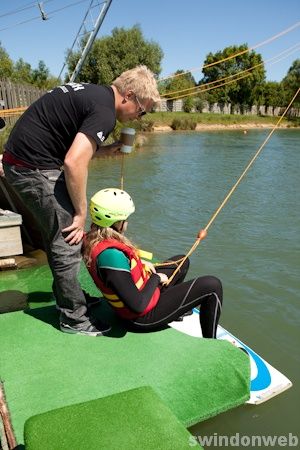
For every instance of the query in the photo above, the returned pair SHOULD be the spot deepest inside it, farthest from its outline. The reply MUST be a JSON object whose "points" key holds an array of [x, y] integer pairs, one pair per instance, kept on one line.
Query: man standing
{"points": [[46, 161]]}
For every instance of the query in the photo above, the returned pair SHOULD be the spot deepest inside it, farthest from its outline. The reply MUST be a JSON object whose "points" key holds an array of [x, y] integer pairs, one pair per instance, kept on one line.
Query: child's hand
{"points": [[163, 277], [148, 266]]}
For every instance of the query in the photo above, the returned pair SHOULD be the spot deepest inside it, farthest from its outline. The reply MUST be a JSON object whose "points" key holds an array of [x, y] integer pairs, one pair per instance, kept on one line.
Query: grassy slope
{"points": [[166, 118]]}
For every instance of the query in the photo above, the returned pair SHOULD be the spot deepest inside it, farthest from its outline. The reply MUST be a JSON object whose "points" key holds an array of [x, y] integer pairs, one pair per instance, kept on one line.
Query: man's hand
{"points": [[114, 146], [109, 149], [75, 230]]}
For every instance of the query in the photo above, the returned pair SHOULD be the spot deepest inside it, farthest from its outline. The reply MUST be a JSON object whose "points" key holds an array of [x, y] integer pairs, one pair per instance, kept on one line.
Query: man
{"points": [[46, 161]]}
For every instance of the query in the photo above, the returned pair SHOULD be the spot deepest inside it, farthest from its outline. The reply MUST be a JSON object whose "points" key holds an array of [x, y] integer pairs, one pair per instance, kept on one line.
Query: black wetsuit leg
{"points": [[175, 300]]}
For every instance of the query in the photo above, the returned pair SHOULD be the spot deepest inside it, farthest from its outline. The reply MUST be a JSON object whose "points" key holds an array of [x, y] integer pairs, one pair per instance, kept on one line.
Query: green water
{"points": [[177, 180]]}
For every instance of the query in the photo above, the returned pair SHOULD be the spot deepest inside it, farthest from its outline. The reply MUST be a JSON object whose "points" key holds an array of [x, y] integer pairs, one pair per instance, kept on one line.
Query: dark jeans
{"points": [[45, 194]]}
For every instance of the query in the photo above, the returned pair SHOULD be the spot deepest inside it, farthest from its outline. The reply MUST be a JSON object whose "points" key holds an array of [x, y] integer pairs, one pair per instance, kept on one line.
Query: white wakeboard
{"points": [[266, 381]]}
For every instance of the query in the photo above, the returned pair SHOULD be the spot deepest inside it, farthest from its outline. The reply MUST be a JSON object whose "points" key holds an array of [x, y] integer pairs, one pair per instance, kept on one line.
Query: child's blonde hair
{"points": [[98, 234]]}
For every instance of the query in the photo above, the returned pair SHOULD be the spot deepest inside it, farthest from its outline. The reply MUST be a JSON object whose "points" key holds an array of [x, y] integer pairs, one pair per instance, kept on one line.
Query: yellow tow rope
{"points": [[122, 172], [202, 233]]}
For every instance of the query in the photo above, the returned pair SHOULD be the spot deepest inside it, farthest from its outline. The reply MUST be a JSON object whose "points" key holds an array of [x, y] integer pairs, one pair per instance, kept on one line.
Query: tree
{"points": [[40, 75], [112, 55], [22, 72], [6, 64], [199, 101], [240, 91], [273, 94], [291, 82], [178, 85]]}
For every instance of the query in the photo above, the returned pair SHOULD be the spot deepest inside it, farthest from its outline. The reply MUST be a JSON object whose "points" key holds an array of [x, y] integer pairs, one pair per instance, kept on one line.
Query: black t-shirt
{"points": [[44, 133]]}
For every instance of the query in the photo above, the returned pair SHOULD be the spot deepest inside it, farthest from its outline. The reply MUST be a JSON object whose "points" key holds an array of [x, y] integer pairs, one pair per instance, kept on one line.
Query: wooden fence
{"points": [[216, 108], [16, 96]]}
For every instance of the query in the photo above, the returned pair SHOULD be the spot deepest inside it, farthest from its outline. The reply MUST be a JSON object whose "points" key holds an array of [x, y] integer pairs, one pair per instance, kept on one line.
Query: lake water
{"points": [[177, 181]]}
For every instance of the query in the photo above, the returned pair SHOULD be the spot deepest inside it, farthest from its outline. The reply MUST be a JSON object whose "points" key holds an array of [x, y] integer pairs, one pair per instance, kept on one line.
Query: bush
{"points": [[144, 125], [188, 104], [199, 105], [183, 124]]}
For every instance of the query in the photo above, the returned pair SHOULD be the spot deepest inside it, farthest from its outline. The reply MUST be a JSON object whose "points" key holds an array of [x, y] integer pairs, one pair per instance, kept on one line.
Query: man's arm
{"points": [[76, 172]]}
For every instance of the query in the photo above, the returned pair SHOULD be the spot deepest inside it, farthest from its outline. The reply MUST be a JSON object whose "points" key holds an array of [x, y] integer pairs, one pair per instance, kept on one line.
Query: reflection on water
{"points": [[177, 181]]}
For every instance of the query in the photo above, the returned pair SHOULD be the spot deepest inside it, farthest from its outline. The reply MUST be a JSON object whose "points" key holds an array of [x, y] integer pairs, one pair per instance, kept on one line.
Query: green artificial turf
{"points": [[134, 419], [44, 369]]}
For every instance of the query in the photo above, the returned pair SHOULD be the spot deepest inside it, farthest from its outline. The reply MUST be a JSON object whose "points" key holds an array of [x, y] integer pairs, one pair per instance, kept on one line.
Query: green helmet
{"points": [[109, 206]]}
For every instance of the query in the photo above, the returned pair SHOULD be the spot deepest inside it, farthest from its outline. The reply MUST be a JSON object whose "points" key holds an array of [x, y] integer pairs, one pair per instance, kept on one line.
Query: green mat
{"points": [[44, 369], [135, 419]]}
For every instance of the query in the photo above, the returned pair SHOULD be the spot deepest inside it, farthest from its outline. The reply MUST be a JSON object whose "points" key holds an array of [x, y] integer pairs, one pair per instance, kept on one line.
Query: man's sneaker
{"points": [[86, 328]]}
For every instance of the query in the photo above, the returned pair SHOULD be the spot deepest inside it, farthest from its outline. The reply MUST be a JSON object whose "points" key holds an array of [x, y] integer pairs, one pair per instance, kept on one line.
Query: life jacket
{"points": [[139, 276]]}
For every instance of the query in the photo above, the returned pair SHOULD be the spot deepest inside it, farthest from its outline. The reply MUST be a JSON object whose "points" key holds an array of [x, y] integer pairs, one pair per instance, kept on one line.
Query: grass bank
{"points": [[167, 119]]}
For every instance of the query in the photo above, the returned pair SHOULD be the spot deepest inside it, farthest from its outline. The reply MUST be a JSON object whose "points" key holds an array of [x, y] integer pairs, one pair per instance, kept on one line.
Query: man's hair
{"points": [[139, 80]]}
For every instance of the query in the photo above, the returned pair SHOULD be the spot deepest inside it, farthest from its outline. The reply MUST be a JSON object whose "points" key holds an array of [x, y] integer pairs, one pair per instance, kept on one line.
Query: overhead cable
{"points": [[49, 14], [287, 30], [202, 87]]}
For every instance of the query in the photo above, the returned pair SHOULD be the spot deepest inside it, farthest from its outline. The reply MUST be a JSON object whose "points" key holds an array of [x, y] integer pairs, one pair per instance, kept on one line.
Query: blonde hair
{"points": [[141, 81], [98, 234]]}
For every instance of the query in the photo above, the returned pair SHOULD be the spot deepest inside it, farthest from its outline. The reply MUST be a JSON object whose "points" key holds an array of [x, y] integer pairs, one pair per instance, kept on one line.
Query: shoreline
{"points": [[235, 126]]}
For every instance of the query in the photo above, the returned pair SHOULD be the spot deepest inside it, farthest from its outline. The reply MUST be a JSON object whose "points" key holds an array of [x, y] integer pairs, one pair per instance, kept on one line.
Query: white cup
{"points": [[127, 139]]}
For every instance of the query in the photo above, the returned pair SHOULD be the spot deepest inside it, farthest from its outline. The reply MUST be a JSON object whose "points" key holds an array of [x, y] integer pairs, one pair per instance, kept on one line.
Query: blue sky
{"points": [[186, 31]]}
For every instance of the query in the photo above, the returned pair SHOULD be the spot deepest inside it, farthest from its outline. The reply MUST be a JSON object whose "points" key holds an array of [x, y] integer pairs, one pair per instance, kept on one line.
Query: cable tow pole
{"points": [[203, 233]]}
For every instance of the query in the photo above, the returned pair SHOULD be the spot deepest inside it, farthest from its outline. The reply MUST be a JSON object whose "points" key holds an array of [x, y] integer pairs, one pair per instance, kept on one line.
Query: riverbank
{"points": [[219, 126], [168, 121]]}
